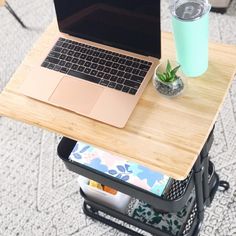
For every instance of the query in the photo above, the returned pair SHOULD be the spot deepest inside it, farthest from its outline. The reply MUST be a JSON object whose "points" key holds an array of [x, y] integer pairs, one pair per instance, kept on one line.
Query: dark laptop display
{"points": [[132, 25]]}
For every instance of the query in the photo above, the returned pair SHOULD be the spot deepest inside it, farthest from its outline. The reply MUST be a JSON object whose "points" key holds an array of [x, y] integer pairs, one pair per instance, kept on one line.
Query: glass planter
{"points": [[169, 89]]}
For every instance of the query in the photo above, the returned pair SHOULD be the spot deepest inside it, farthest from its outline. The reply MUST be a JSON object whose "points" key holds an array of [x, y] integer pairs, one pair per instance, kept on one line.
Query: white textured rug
{"points": [[38, 195]]}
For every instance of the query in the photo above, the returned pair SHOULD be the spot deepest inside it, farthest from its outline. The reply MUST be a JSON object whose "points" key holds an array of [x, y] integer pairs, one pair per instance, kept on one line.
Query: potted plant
{"points": [[169, 82]]}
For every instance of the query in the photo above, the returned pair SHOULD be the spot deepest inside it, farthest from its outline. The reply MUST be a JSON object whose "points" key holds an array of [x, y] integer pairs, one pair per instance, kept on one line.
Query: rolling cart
{"points": [[202, 180]]}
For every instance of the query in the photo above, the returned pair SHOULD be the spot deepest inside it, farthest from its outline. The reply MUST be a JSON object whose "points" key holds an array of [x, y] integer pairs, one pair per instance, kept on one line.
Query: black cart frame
{"points": [[202, 178]]}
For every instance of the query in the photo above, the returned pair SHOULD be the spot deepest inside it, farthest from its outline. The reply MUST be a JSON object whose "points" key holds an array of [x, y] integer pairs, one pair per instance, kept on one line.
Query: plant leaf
{"points": [[127, 167], [112, 172], [121, 168], [125, 178], [169, 76], [77, 156], [84, 149], [119, 176], [168, 66], [162, 77], [174, 71]]}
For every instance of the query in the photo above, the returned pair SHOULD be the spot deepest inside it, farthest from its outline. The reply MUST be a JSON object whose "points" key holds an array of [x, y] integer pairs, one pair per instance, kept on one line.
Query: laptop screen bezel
{"points": [[112, 44]]}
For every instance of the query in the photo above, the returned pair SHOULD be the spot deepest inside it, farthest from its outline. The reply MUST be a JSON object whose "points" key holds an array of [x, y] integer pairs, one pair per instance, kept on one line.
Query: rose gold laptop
{"points": [[102, 59]]}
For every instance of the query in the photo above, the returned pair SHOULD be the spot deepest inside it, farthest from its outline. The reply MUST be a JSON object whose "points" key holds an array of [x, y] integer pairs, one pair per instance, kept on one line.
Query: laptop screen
{"points": [[132, 25]]}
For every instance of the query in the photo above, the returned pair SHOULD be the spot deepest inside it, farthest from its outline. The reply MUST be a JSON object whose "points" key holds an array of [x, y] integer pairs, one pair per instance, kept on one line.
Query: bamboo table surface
{"points": [[166, 135], [2, 3]]}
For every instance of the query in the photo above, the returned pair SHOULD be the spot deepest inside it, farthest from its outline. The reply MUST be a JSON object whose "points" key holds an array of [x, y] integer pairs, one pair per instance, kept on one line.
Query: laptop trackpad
{"points": [[76, 95]]}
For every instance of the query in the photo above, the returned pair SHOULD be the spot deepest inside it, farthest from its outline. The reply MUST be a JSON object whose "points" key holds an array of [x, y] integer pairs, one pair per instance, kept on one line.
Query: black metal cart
{"points": [[202, 179]]}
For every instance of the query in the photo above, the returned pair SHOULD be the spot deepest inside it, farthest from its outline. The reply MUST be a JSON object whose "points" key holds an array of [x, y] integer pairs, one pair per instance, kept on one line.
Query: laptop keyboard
{"points": [[110, 69]]}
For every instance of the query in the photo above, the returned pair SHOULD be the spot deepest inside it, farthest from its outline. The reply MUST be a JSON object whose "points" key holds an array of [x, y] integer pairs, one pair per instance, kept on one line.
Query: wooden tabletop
{"points": [[2, 3], [164, 134]]}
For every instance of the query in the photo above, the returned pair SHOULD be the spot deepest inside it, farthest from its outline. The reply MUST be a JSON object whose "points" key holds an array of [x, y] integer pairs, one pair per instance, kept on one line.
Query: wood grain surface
{"points": [[2, 3], [164, 134]]}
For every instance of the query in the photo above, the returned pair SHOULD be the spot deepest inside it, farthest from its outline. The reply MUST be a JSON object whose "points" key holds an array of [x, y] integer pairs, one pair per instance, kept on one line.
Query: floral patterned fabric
{"points": [[171, 223], [122, 169]]}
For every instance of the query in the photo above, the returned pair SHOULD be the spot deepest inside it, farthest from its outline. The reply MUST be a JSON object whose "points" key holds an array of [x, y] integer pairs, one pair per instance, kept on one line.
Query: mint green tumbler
{"points": [[190, 28]]}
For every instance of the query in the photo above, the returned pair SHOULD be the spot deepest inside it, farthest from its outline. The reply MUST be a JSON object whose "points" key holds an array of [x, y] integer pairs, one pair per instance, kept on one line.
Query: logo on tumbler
{"points": [[189, 11]]}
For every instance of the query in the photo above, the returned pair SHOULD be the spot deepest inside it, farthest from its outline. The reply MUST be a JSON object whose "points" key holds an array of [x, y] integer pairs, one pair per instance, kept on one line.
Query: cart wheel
{"points": [[223, 185]]}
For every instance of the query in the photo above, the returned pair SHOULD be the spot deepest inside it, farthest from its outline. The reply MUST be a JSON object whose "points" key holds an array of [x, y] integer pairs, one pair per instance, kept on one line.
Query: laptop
{"points": [[101, 60]]}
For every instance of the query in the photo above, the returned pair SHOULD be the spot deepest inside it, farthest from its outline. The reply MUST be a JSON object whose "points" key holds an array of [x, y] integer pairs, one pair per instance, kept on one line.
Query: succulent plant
{"points": [[169, 75]]}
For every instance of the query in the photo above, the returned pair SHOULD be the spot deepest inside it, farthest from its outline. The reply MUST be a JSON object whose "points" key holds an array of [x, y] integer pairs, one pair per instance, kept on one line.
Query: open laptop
{"points": [[101, 60]]}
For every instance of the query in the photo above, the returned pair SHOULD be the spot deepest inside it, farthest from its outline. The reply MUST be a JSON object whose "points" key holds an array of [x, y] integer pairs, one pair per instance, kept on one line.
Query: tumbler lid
{"points": [[189, 10]]}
